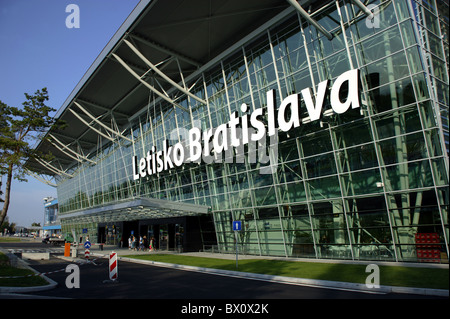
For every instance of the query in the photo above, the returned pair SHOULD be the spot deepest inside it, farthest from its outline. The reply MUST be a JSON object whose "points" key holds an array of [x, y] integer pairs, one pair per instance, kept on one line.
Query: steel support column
{"points": [[161, 74], [90, 126], [101, 124], [305, 15], [70, 150], [363, 8], [161, 95]]}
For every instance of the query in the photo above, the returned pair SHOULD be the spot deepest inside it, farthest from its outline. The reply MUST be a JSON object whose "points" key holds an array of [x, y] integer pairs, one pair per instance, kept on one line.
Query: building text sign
{"points": [[254, 127]]}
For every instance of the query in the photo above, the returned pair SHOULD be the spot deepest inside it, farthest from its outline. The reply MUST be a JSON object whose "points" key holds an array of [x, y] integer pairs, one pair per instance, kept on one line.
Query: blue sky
{"points": [[37, 50]]}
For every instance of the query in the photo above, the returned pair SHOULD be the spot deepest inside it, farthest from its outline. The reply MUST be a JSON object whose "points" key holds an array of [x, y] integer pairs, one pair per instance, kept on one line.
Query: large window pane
{"points": [[324, 188]]}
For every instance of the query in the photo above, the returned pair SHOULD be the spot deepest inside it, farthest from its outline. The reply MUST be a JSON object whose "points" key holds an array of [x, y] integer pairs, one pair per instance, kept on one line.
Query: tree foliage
{"points": [[20, 129]]}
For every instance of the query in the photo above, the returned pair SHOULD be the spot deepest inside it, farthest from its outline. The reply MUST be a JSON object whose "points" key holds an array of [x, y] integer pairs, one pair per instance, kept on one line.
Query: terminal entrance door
{"points": [[173, 234], [163, 237], [159, 235]]}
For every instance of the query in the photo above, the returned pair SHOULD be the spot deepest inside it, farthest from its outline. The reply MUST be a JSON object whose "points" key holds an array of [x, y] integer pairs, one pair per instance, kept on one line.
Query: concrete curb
{"points": [[22, 264], [298, 281]]}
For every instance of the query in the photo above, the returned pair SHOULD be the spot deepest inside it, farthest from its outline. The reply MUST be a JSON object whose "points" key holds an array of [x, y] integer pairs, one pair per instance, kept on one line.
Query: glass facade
{"points": [[52, 225], [363, 185], [50, 211]]}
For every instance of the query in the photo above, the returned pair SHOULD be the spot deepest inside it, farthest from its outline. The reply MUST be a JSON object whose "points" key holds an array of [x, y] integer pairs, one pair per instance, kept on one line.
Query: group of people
{"points": [[142, 244]]}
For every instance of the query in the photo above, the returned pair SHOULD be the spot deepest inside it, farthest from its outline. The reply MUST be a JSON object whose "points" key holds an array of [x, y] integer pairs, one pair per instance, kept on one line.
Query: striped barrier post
{"points": [[113, 266]]}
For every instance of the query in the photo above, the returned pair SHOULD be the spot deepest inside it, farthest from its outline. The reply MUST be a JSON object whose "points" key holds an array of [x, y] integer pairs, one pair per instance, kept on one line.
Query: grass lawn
{"points": [[6, 271], [9, 240], [389, 275], [4, 260]]}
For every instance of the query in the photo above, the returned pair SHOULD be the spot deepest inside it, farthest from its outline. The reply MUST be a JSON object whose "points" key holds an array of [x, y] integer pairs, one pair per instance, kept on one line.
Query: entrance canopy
{"points": [[136, 209]]}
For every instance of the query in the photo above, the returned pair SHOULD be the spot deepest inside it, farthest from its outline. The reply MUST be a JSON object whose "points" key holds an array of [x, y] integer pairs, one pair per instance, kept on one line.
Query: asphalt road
{"points": [[150, 290]]}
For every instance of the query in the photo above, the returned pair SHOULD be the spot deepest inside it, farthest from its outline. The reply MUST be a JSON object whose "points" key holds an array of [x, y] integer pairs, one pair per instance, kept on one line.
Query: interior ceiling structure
{"points": [[136, 209], [178, 37]]}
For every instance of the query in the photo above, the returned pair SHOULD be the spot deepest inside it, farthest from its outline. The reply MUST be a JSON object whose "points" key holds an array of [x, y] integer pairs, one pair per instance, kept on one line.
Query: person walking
{"points": [[141, 243], [151, 244], [145, 242], [133, 243]]}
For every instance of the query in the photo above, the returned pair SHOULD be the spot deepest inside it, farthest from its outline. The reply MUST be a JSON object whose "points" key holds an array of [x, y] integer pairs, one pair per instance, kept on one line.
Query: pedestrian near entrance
{"points": [[141, 243], [129, 243], [145, 242], [133, 243], [151, 243]]}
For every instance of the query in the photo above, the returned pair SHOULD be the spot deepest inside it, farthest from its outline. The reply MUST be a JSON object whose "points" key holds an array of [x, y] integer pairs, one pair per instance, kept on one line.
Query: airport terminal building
{"points": [[321, 125]]}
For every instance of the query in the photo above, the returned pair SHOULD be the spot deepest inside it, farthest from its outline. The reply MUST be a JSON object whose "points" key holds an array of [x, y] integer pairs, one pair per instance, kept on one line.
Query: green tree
{"points": [[20, 128], [10, 228]]}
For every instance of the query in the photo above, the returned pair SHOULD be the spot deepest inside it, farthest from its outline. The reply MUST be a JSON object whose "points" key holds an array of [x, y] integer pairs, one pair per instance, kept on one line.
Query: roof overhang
{"points": [[52, 227], [179, 37], [135, 209]]}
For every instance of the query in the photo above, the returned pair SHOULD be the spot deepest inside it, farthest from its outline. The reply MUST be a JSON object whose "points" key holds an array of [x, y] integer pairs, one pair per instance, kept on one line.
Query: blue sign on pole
{"points": [[237, 225], [87, 244]]}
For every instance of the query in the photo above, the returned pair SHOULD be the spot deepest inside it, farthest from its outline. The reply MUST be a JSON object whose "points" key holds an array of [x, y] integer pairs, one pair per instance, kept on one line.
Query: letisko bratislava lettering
{"points": [[242, 130]]}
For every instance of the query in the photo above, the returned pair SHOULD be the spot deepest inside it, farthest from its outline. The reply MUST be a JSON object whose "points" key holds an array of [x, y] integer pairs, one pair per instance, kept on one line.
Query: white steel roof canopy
{"points": [[167, 42], [136, 209]]}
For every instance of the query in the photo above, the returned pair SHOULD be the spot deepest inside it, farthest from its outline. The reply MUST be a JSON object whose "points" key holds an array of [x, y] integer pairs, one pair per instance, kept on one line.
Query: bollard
{"points": [[74, 250], [113, 266], [112, 269], [67, 250]]}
